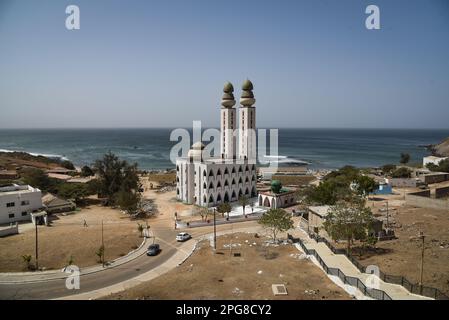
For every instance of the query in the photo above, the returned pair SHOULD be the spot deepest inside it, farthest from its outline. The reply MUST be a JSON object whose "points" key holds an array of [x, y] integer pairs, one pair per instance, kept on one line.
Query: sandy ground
{"points": [[67, 237], [223, 276], [402, 256]]}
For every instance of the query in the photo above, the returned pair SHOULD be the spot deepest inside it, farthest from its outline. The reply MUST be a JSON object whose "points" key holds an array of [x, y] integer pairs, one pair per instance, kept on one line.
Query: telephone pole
{"points": [[421, 235], [102, 242], [37, 246]]}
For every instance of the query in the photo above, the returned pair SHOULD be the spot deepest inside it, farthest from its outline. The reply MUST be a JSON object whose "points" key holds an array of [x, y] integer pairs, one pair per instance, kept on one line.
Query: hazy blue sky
{"points": [[163, 63]]}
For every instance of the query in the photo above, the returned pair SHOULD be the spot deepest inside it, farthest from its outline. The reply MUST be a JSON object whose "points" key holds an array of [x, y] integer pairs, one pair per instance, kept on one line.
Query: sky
{"points": [[313, 63]]}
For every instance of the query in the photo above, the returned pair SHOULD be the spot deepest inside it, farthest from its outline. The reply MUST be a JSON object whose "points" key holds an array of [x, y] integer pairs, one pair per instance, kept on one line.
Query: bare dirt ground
{"points": [[223, 276], [67, 236], [402, 256]]}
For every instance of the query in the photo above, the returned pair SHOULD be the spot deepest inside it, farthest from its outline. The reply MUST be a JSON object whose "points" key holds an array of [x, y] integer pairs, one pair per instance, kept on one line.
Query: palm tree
{"points": [[244, 201], [27, 259], [140, 229]]}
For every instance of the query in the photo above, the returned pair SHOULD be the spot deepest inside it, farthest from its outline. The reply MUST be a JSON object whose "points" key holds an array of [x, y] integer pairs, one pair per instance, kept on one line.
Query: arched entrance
{"points": [[266, 202]]}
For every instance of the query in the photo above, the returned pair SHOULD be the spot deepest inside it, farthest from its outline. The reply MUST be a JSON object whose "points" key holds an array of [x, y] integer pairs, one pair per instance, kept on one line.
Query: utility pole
{"points": [[421, 235], [37, 246], [102, 241], [215, 232], [388, 223]]}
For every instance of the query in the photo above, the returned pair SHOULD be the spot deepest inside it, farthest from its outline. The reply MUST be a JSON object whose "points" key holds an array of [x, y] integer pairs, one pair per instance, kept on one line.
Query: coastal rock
{"points": [[441, 149]]}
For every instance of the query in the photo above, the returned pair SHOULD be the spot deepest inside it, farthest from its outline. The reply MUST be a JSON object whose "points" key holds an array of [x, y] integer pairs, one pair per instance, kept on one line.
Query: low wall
{"points": [[7, 231], [403, 182], [436, 178], [442, 192], [425, 193], [426, 202]]}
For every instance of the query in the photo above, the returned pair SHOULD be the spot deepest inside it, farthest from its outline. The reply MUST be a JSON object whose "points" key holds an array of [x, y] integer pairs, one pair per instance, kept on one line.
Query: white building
{"points": [[432, 159], [210, 181], [17, 202]]}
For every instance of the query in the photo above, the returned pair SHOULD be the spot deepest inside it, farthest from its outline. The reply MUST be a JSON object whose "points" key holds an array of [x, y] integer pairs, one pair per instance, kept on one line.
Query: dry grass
{"points": [[222, 276], [402, 256], [67, 237], [162, 177]]}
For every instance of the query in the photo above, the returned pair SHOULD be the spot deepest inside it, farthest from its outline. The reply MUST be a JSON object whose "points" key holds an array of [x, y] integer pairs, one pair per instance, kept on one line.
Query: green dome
{"points": [[247, 85], [227, 96], [228, 87], [247, 94], [276, 186]]}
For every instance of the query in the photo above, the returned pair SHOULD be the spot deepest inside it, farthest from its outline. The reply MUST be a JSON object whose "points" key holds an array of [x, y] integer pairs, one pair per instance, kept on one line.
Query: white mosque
{"points": [[209, 181]]}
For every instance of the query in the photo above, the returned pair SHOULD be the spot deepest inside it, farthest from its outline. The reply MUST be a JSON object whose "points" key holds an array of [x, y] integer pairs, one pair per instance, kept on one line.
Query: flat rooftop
{"points": [[16, 189], [322, 211]]}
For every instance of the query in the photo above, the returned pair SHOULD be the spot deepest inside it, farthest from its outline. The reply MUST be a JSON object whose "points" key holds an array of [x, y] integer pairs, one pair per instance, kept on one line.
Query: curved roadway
{"points": [[51, 289]]}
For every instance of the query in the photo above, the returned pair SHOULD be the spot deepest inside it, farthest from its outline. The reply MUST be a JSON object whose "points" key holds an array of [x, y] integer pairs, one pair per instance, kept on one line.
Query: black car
{"points": [[153, 250]]}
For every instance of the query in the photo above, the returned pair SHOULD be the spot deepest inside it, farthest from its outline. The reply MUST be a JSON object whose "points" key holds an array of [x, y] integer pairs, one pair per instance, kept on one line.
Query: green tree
{"points": [[276, 220], [388, 168], [401, 172], [70, 261], [365, 185], [128, 201], [86, 171], [201, 211], [243, 201], [75, 191], [348, 220], [443, 166], [68, 165], [115, 175], [224, 208], [405, 158], [36, 178]]}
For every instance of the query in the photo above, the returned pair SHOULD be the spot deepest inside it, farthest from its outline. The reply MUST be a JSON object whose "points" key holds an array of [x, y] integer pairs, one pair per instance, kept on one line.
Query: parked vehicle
{"points": [[153, 250], [183, 236]]}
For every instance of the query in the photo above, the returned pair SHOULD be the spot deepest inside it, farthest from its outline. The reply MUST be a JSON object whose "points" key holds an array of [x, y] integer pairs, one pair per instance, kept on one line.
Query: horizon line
{"points": [[208, 127]]}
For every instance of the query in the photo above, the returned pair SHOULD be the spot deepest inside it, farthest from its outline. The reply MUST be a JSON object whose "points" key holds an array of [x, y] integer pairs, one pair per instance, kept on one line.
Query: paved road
{"points": [[56, 288]]}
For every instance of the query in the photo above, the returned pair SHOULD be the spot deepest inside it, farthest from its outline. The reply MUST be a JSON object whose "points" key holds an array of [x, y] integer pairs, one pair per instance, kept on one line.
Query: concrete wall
{"points": [[425, 193], [442, 192], [7, 231], [436, 178], [426, 202], [403, 182]]}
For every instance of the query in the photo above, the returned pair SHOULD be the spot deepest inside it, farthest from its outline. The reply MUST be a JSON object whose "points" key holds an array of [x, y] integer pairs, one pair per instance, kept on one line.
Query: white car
{"points": [[183, 236]]}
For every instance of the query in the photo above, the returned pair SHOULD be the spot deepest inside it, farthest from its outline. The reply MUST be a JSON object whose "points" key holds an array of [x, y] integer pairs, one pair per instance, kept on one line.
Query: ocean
{"points": [[150, 148]]}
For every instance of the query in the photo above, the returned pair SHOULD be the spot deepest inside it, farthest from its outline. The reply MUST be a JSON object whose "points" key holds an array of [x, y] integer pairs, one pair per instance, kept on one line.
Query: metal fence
{"points": [[352, 281], [400, 280]]}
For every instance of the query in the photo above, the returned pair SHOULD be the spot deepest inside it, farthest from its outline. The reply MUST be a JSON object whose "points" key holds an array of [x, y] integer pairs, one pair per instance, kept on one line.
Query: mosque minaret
{"points": [[247, 115], [228, 123], [207, 181]]}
